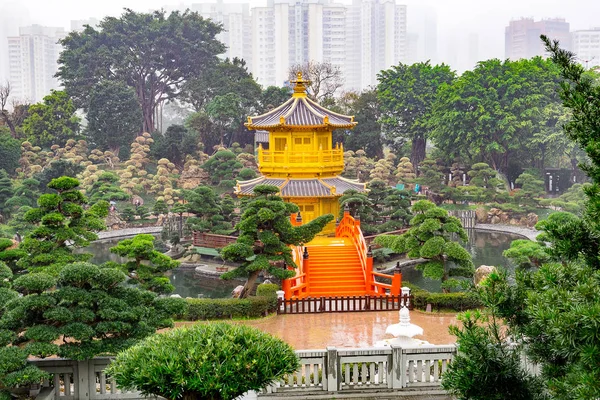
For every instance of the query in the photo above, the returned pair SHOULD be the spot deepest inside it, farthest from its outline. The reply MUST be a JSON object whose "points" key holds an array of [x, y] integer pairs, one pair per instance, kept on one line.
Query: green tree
{"points": [[272, 97], [407, 94], [228, 76], [487, 366], [147, 266], [154, 53], [53, 121], [55, 170], [175, 144], [208, 361], [25, 193], [107, 188], [160, 207], [360, 206], [367, 134], [222, 168], [205, 204], [88, 308], [6, 192], [490, 114], [62, 224], [10, 151], [266, 233], [430, 238], [431, 175], [527, 253], [532, 188], [483, 184], [114, 116], [227, 116]]}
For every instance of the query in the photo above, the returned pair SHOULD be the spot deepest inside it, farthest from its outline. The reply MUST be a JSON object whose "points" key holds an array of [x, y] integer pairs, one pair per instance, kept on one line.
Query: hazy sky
{"points": [[456, 19]]}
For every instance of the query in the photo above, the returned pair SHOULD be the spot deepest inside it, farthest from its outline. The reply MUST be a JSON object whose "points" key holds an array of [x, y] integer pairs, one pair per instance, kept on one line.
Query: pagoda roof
{"points": [[300, 112], [298, 187]]}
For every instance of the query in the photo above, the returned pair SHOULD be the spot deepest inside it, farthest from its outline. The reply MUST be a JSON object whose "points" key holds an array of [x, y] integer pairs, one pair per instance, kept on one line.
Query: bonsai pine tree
{"points": [[397, 206], [63, 224], [9, 254], [532, 188], [483, 183], [6, 192], [107, 188], [147, 265], [160, 207], [204, 203], [25, 194], [87, 307], [430, 238], [208, 361], [266, 233], [222, 168]]}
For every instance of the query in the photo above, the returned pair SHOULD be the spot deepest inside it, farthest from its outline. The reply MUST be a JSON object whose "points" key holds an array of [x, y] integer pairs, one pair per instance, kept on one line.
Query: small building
{"points": [[301, 158]]}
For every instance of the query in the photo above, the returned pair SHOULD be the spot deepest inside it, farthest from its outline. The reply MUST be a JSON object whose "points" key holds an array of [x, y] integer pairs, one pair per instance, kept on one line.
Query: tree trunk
{"points": [[148, 111], [249, 284], [417, 152]]}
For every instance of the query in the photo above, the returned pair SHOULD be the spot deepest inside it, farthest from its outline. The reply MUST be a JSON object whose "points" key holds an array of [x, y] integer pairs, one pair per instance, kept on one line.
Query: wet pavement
{"points": [[356, 329]]}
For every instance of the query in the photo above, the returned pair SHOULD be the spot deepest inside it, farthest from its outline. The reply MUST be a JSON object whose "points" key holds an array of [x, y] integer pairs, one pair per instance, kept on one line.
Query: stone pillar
{"points": [[333, 370], [405, 294], [280, 299], [398, 368]]}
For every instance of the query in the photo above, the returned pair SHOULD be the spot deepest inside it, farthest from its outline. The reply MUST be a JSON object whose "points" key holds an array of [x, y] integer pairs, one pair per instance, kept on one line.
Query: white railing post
{"points": [[405, 295], [333, 370], [82, 374], [398, 368], [281, 299]]}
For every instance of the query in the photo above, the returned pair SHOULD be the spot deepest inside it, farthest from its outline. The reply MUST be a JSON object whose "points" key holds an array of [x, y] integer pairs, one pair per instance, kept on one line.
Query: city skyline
{"points": [[453, 32]]}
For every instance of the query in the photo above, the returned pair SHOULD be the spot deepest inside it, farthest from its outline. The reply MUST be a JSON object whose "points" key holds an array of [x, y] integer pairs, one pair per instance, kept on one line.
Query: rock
{"points": [[235, 293], [176, 296], [200, 268], [495, 219], [504, 217], [513, 221], [523, 221], [137, 200], [482, 272], [532, 219], [495, 211], [481, 215], [160, 220], [114, 222]]}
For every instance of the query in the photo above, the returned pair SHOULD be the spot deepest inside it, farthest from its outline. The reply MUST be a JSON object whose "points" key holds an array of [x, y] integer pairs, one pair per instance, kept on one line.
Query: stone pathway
{"points": [[529, 233], [128, 232]]}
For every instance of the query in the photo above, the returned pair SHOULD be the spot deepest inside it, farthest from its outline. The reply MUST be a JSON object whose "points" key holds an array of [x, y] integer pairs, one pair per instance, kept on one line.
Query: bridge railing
{"points": [[349, 227]]}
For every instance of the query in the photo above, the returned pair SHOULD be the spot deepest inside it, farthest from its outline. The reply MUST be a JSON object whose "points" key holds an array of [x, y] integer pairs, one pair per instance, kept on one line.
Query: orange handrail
{"points": [[350, 227]]}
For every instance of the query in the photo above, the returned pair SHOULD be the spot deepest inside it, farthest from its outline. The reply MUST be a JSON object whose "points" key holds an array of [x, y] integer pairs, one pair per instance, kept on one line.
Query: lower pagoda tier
{"points": [[314, 196]]}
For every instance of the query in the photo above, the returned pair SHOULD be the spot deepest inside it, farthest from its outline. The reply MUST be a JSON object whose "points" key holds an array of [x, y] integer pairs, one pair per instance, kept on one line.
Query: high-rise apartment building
{"points": [[33, 61], [586, 45], [78, 25], [237, 27], [376, 40], [522, 36]]}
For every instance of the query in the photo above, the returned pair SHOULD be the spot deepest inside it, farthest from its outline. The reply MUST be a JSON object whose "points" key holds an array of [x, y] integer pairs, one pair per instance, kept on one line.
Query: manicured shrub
{"points": [[207, 361], [251, 307], [460, 301]]}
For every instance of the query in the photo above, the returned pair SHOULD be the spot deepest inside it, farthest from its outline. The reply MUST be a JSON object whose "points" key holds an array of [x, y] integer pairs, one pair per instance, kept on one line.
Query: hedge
{"points": [[204, 309], [268, 290], [459, 301]]}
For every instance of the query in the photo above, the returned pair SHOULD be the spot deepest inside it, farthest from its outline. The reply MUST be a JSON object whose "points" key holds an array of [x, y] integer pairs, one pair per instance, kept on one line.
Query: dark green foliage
{"points": [[147, 265], [128, 213], [272, 97], [246, 174], [359, 205], [138, 49], [268, 290], [174, 144], [207, 361], [25, 193], [532, 188], [496, 113], [113, 114], [527, 254], [10, 151], [430, 237], [206, 205], [431, 175], [62, 224], [208, 309], [56, 169], [407, 94], [53, 121], [266, 233], [223, 167], [6, 192], [459, 301], [486, 366], [483, 183], [367, 134], [160, 207], [107, 188]]}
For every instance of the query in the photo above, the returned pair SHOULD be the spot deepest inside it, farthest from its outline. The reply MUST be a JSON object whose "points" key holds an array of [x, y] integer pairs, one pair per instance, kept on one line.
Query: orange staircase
{"points": [[338, 266], [335, 268]]}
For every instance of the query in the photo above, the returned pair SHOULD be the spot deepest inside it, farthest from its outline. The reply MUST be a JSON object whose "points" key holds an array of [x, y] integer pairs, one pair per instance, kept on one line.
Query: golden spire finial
{"points": [[300, 84]]}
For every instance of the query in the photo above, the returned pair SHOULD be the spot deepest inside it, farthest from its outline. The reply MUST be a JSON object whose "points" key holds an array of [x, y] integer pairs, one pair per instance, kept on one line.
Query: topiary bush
{"points": [[268, 290], [207, 361], [206, 309]]}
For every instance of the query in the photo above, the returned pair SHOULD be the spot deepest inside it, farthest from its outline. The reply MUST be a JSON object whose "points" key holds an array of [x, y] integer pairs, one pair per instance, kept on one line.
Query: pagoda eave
{"points": [[299, 127]]}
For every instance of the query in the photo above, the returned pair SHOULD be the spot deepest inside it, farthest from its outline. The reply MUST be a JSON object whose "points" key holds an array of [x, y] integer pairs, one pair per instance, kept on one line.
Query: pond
{"points": [[187, 283], [486, 249]]}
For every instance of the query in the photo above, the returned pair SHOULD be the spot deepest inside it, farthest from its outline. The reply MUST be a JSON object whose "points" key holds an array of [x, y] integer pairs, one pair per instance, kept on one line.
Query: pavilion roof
{"points": [[302, 187], [300, 112]]}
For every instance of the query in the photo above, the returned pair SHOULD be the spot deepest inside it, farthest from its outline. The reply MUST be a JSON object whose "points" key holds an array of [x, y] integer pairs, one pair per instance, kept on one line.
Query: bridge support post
{"points": [[396, 281], [369, 273], [306, 270], [286, 286]]}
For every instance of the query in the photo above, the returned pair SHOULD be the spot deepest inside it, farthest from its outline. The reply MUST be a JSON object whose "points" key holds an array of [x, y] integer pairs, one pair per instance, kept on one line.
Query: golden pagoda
{"points": [[300, 158]]}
